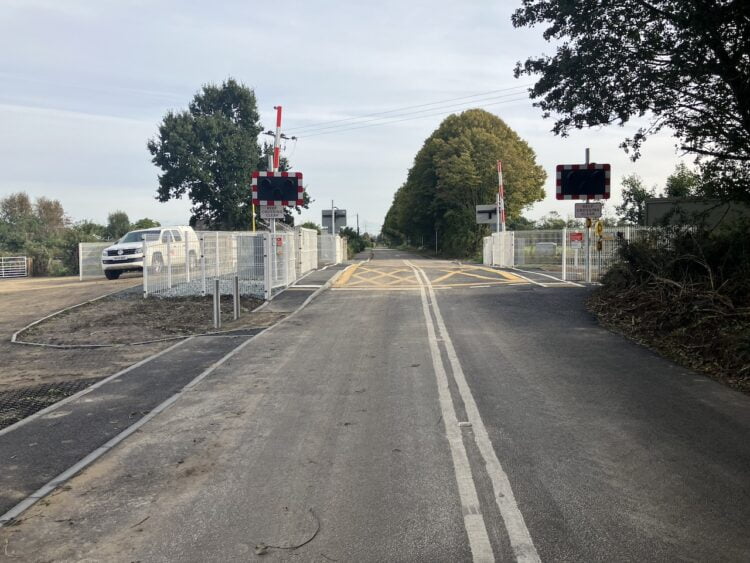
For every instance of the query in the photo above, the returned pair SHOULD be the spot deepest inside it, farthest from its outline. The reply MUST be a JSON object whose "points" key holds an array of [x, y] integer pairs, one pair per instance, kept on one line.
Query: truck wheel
{"points": [[157, 264], [112, 274]]}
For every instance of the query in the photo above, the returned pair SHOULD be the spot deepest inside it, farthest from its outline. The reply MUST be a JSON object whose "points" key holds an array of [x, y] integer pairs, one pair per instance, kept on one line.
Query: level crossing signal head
{"points": [[583, 181], [277, 188]]}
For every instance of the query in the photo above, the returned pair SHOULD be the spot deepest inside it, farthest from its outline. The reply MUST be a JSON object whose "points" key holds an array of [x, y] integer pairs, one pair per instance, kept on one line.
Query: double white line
{"points": [[518, 534]]}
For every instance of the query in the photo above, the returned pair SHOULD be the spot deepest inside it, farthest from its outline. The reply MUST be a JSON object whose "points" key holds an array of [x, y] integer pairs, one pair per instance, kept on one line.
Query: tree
{"points": [[311, 225], [118, 224], [455, 170], [145, 223], [208, 152], [681, 63], [519, 223], [51, 216], [634, 196], [683, 182]]}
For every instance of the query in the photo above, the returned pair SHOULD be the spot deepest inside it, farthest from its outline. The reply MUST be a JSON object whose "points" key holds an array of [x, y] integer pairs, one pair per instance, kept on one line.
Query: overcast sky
{"points": [[84, 84]]}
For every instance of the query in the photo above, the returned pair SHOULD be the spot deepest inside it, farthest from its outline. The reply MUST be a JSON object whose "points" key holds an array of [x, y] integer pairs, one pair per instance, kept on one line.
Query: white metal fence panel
{"points": [[13, 267], [307, 250], [284, 259], [189, 267], [561, 253], [90, 259], [538, 249], [575, 250], [487, 251], [331, 249], [503, 249]]}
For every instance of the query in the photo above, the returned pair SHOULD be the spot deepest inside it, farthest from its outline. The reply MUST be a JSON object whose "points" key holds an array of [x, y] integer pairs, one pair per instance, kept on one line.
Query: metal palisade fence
{"points": [[560, 253]]}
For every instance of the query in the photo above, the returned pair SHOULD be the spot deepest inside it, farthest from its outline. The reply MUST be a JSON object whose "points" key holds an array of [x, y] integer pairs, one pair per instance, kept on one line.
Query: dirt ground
{"points": [[119, 319]]}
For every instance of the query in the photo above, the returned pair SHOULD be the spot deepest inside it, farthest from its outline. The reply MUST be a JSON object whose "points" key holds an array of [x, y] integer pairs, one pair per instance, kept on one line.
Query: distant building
{"points": [[686, 211], [340, 220]]}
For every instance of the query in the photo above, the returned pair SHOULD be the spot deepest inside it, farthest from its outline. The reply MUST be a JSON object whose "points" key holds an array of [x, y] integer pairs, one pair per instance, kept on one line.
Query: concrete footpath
{"points": [[42, 447]]}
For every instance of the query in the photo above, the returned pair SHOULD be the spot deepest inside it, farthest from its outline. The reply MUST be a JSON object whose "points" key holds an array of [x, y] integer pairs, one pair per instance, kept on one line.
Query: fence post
{"points": [[187, 258], [80, 261], [267, 266], [203, 265], [217, 304], [145, 271], [236, 297], [169, 263], [564, 253], [216, 258]]}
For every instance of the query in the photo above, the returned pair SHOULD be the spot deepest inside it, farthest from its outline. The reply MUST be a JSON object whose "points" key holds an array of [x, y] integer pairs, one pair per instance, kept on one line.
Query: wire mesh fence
{"points": [[90, 259], [307, 255], [564, 253], [188, 267], [331, 249], [13, 267], [262, 262]]}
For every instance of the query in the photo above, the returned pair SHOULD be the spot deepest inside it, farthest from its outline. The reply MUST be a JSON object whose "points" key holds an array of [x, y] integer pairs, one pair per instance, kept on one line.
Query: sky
{"points": [[85, 83]]}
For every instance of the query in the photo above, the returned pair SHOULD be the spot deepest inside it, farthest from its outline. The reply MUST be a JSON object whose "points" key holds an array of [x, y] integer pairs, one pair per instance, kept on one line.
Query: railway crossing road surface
{"points": [[421, 410]]}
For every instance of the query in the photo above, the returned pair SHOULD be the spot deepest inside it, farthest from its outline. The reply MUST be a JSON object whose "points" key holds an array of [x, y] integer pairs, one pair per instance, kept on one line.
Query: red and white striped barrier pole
{"points": [[277, 140]]}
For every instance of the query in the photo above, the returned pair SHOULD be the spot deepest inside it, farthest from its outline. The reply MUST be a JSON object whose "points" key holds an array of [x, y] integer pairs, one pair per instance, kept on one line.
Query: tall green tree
{"points": [[118, 223], [208, 152], [684, 64], [455, 170], [145, 223], [683, 182], [634, 196]]}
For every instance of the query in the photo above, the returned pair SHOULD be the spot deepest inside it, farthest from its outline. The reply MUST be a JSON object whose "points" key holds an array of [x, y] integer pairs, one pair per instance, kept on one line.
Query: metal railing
{"points": [[13, 267]]}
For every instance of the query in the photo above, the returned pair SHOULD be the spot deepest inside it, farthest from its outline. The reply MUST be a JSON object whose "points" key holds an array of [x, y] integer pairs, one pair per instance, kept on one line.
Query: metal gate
{"points": [[13, 267]]}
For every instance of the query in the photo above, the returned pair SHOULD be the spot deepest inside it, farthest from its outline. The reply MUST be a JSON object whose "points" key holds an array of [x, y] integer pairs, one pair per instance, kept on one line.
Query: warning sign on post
{"points": [[271, 211], [576, 240], [588, 210]]}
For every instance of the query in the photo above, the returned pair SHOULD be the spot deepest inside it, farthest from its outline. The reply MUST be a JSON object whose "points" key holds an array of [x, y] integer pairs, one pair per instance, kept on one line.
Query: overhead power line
{"points": [[475, 102], [324, 124], [444, 111]]}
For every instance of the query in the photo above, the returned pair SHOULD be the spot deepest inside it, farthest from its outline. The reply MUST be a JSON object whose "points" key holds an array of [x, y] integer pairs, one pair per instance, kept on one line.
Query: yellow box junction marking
{"points": [[369, 276]]}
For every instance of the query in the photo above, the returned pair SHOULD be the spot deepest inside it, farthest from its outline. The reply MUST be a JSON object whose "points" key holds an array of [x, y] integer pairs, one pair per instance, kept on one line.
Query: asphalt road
{"points": [[421, 411]]}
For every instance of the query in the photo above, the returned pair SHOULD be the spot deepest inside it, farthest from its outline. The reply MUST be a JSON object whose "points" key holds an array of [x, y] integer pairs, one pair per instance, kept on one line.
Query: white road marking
{"points": [[479, 541], [518, 534], [558, 280]]}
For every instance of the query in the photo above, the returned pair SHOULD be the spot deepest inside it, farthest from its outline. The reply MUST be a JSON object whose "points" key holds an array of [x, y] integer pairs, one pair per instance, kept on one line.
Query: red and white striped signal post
{"points": [[500, 201]]}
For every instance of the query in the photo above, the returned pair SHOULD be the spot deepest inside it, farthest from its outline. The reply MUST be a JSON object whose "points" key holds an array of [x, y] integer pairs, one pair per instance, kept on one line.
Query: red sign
{"points": [[279, 241], [576, 236]]}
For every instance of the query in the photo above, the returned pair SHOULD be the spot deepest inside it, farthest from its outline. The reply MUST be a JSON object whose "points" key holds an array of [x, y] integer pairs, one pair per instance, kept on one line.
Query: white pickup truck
{"points": [[126, 255]]}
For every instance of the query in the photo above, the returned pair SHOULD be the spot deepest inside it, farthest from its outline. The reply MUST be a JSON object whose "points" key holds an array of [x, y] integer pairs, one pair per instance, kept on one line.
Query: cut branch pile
{"points": [[683, 305]]}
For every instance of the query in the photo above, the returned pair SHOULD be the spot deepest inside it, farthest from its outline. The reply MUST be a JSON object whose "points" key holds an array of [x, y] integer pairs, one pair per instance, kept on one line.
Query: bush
{"points": [[686, 292]]}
